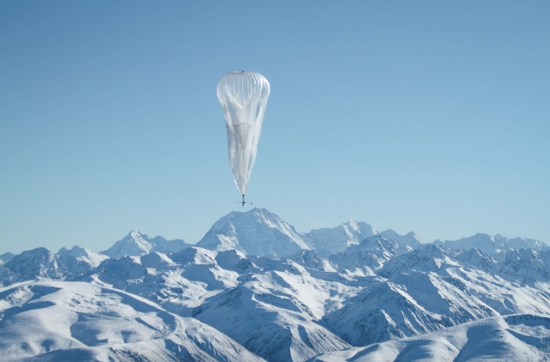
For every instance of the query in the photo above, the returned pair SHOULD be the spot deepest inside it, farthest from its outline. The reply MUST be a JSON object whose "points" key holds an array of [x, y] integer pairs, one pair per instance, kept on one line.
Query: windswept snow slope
{"points": [[53, 320], [276, 313], [524, 337]]}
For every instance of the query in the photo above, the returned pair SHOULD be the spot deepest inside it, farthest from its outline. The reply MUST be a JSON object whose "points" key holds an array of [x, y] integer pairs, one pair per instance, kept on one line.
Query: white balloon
{"points": [[243, 97]]}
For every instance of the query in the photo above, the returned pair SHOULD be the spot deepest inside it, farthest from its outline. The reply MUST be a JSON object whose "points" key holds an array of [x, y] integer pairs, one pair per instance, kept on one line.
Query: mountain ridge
{"points": [[293, 303], [324, 240], [138, 244]]}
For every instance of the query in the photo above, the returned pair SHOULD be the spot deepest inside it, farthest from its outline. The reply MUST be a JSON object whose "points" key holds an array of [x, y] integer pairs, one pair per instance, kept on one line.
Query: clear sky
{"points": [[430, 116]]}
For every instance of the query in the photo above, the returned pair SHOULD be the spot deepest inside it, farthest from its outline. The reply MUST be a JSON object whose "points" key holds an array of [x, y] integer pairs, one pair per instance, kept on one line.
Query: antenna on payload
{"points": [[244, 202]]}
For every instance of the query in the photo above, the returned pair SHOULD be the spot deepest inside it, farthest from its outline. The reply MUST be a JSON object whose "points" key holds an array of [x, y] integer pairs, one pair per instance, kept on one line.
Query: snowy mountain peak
{"points": [[406, 242], [138, 244], [134, 244], [31, 264], [75, 251], [335, 240], [378, 242], [136, 234], [31, 257], [352, 224], [255, 232], [83, 254]]}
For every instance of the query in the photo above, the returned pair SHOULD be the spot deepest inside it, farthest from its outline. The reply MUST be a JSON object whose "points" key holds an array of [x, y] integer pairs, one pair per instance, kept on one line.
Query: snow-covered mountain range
{"points": [[255, 288], [493, 244], [137, 244]]}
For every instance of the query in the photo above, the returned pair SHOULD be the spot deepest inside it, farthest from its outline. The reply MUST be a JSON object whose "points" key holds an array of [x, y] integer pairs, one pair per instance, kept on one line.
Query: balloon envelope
{"points": [[243, 97]]}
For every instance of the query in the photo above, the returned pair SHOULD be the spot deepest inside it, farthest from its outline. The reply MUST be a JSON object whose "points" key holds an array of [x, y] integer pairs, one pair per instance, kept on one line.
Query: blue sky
{"points": [[426, 116]]}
